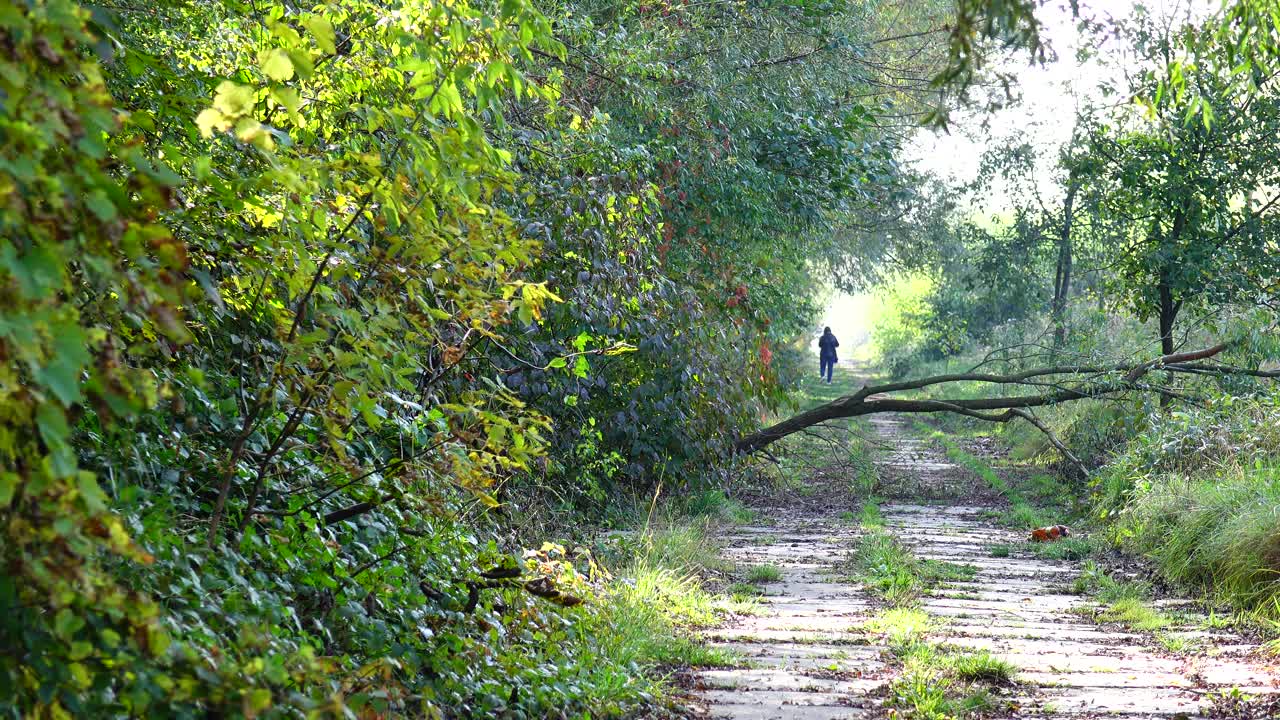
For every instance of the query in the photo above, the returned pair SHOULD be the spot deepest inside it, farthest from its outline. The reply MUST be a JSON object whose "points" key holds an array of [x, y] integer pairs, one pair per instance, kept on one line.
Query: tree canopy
{"points": [[313, 315]]}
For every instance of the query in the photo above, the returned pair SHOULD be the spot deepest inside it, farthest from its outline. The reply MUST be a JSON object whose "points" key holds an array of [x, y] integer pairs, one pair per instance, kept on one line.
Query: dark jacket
{"points": [[827, 345]]}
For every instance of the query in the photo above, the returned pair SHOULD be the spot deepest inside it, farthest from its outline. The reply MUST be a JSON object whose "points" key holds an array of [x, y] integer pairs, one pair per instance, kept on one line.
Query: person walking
{"points": [[827, 345]]}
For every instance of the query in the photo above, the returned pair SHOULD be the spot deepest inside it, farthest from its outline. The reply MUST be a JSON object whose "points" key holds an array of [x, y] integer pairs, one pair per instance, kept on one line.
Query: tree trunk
{"points": [[1168, 314], [1169, 306], [1062, 277]]}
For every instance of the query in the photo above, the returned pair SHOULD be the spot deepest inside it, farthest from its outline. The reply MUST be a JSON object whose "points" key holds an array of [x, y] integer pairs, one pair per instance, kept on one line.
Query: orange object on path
{"points": [[1049, 534]]}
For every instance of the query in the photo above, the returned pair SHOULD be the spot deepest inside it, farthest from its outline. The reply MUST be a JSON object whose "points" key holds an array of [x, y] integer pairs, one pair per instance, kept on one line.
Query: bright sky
{"points": [[849, 317], [1050, 96]]}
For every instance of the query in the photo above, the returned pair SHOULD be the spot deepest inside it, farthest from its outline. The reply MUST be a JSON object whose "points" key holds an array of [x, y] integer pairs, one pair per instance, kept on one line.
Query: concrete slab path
{"points": [[809, 657]]}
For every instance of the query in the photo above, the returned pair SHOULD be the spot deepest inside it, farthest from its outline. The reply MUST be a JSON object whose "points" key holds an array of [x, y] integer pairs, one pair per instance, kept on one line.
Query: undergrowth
{"points": [[645, 615], [1198, 495]]}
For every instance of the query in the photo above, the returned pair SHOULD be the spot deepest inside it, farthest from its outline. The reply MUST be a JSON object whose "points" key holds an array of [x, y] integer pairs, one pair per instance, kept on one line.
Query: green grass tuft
{"points": [[901, 625], [983, 667], [1136, 614], [887, 568], [869, 515], [764, 574], [1071, 548], [716, 505]]}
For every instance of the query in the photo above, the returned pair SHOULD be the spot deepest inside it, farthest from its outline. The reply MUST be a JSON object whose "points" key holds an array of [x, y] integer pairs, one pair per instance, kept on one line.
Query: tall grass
{"points": [[1200, 495], [658, 598]]}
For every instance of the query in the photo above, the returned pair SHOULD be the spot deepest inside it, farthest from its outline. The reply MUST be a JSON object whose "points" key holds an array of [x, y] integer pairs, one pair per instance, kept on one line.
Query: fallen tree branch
{"points": [[872, 399]]}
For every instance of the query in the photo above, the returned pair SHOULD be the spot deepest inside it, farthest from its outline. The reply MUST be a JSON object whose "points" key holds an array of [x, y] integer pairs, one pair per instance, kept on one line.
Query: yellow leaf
{"points": [[322, 30], [275, 64], [210, 119], [253, 132], [233, 100]]}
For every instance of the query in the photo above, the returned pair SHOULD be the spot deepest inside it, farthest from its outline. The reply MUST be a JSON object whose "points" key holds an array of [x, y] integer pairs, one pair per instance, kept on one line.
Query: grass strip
{"points": [[937, 682], [891, 571], [1039, 501]]}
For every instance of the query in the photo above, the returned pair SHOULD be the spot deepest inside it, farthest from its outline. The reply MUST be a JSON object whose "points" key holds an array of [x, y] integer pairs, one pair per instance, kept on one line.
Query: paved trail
{"points": [[811, 659]]}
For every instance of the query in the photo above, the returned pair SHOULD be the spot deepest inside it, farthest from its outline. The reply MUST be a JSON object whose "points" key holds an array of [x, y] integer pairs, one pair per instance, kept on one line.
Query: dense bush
{"points": [[308, 311]]}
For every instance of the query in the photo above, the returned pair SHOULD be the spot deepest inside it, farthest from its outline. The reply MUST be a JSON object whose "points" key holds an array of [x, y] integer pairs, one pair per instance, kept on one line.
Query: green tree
{"points": [[1193, 191]]}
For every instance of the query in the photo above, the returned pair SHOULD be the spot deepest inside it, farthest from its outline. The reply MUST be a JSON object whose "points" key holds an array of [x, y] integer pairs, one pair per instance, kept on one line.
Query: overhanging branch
{"points": [[1090, 381]]}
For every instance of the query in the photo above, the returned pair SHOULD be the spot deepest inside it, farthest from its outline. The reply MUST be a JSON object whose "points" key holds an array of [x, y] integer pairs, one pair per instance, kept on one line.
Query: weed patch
{"points": [[890, 570], [937, 682], [1125, 602], [901, 624], [764, 574]]}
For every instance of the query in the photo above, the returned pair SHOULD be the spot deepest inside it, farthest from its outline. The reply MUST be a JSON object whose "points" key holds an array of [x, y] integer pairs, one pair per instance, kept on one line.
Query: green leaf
{"points": [[67, 623], [275, 64], [289, 98], [89, 490], [301, 63], [61, 375], [101, 206], [52, 421], [257, 700], [322, 30], [8, 486], [234, 100], [38, 271]]}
